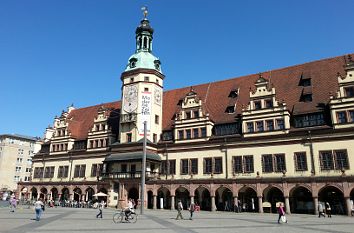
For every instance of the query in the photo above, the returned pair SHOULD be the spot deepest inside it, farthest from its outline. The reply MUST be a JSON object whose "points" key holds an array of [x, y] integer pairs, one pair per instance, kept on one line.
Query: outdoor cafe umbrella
{"points": [[100, 194]]}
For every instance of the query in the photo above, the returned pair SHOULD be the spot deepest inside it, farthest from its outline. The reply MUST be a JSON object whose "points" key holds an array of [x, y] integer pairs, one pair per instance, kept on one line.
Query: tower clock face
{"points": [[158, 96], [130, 98]]}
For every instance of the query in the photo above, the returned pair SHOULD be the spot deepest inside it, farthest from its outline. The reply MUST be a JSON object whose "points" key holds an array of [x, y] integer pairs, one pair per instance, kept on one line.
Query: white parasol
{"points": [[100, 194]]}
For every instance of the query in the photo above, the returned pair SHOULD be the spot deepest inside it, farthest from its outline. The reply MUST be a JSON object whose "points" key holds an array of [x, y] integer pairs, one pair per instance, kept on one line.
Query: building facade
{"points": [[16, 152], [284, 135]]}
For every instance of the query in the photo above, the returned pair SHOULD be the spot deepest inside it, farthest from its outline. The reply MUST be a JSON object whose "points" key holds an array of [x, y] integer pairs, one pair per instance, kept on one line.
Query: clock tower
{"points": [[142, 89]]}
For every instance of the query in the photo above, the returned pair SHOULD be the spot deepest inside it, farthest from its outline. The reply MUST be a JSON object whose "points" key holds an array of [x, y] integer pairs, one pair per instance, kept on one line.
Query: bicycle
{"points": [[120, 216]]}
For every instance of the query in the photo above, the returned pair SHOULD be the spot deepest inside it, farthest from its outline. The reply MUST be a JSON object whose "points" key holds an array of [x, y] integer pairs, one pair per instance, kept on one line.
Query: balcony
{"points": [[127, 118], [129, 175]]}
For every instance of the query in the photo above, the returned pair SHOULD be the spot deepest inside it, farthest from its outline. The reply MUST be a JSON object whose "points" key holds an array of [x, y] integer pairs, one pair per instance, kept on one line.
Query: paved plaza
{"points": [[63, 220]]}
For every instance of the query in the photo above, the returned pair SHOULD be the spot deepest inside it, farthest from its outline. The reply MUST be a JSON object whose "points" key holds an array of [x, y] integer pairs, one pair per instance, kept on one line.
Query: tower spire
{"points": [[144, 34]]}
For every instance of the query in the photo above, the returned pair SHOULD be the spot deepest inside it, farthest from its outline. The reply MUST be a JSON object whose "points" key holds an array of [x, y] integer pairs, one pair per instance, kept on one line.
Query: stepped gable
{"points": [[81, 119], [323, 74]]}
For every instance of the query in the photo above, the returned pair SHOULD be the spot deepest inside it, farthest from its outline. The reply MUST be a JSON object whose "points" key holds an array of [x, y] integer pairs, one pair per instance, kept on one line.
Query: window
{"points": [[233, 94], [230, 109], [132, 79], [157, 119], [146, 89], [257, 105], [305, 82], [188, 115], [129, 137], [203, 132], [184, 166], [226, 129], [19, 160], [267, 163], [80, 171], [154, 138], [349, 91], [238, 164], [248, 164], [280, 124], [29, 161], [309, 120], [196, 114], [300, 161], [180, 134], [270, 125], [63, 171], [218, 165], [268, 103], [196, 133], [188, 134], [123, 168], [280, 163], [194, 166], [28, 169], [96, 170], [208, 166], [341, 158], [18, 169], [250, 128], [351, 115], [172, 167], [260, 127], [49, 172], [306, 98], [341, 117], [38, 172], [27, 178], [326, 160], [146, 79]]}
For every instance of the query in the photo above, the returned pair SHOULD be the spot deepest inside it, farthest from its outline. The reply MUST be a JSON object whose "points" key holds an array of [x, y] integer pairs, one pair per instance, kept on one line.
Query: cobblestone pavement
{"points": [[65, 220]]}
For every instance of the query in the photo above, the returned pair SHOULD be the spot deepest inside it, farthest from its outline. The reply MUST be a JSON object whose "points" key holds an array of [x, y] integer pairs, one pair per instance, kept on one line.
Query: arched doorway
{"points": [[301, 201], [77, 194], [44, 193], [202, 198], [133, 193], [248, 199], [89, 194], [163, 198], [34, 193], [65, 194], [54, 193], [334, 197], [150, 204], [273, 195], [183, 195], [352, 200], [223, 198]]}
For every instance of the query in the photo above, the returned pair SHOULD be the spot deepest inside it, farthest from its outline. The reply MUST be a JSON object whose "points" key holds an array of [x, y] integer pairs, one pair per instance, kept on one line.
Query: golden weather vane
{"points": [[144, 9]]}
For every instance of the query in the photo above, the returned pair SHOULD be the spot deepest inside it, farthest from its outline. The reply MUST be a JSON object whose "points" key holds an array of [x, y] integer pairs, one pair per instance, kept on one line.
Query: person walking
{"points": [[38, 205], [328, 210], [321, 210], [191, 210], [179, 210], [100, 208], [281, 213], [13, 204]]}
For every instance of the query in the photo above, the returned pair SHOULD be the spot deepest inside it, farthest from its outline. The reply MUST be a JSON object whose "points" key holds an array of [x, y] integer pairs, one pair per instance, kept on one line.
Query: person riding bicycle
{"points": [[128, 210]]}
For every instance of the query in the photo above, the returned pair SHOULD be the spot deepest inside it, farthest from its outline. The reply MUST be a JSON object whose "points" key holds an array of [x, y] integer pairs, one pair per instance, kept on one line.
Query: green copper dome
{"points": [[143, 57]]}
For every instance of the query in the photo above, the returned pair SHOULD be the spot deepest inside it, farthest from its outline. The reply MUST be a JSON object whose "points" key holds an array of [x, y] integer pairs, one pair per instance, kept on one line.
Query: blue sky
{"points": [[57, 52]]}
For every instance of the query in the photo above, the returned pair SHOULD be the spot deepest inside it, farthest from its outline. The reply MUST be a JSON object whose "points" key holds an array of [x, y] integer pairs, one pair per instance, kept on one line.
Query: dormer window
{"points": [[341, 117], [349, 91], [268, 103], [196, 114], [157, 64], [132, 62], [305, 82], [230, 109], [188, 115], [306, 98], [146, 79], [257, 105], [233, 94]]}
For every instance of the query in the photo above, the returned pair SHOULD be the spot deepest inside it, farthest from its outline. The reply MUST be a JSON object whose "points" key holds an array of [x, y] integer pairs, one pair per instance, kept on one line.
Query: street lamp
{"points": [[142, 190]]}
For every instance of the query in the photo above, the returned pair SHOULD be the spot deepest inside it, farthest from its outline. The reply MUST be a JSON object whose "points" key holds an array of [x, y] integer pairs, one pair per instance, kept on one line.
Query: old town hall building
{"points": [[285, 135]]}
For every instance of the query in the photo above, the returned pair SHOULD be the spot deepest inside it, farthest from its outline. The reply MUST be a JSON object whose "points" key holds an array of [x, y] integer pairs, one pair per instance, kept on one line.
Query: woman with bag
{"points": [[328, 210], [281, 214]]}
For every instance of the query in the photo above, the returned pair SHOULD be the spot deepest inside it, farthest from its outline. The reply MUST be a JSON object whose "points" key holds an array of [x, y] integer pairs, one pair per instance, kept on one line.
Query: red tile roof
{"points": [[323, 74]]}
